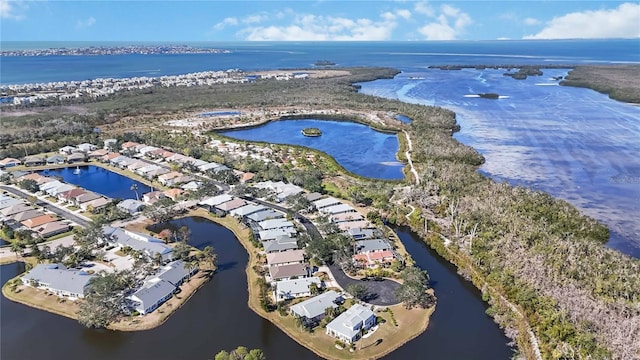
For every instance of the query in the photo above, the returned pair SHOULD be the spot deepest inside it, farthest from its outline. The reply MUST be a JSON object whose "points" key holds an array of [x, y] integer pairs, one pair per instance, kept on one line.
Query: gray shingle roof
{"points": [[287, 271], [315, 306], [281, 243], [291, 288], [58, 277], [372, 245], [152, 292], [264, 215], [174, 272]]}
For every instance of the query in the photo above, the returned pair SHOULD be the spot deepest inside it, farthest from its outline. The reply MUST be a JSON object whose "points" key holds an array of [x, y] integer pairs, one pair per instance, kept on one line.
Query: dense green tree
{"points": [[357, 290], [104, 300], [413, 290]]}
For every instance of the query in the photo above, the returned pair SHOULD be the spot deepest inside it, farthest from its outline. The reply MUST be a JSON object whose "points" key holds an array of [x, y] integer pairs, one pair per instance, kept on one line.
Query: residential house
{"points": [[295, 288], [131, 206], [14, 209], [288, 271], [209, 166], [173, 194], [96, 154], [151, 295], [285, 258], [56, 278], [311, 311], [348, 225], [109, 157], [346, 216], [136, 164], [86, 147], [9, 162], [50, 185], [95, 205], [55, 159], [37, 221], [67, 150], [34, 161], [228, 206], [26, 215], [337, 209], [329, 201], [147, 149], [156, 172], [281, 243], [314, 196], [272, 234], [374, 259], [152, 197], [276, 224], [75, 157], [210, 202], [164, 179], [148, 245], [372, 245], [176, 272], [361, 234], [129, 146], [83, 198], [179, 180], [191, 186], [51, 229], [69, 196], [110, 144], [348, 326], [247, 210], [39, 179], [55, 190], [6, 201], [264, 215]]}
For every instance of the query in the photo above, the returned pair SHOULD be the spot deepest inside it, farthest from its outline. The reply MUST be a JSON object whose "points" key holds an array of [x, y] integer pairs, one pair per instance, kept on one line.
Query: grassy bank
{"points": [[620, 82]]}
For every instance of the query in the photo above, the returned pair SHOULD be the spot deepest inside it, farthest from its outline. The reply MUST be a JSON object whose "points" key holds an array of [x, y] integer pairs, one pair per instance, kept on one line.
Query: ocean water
{"points": [[270, 55], [574, 143]]}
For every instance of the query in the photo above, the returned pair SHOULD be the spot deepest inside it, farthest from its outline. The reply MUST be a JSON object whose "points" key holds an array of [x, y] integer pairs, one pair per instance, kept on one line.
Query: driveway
{"points": [[382, 293]]}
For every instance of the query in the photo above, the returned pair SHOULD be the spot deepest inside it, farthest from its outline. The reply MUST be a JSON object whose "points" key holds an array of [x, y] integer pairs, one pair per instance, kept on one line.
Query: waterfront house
{"points": [[348, 225], [94, 205], [361, 234], [151, 295], [346, 216], [148, 245], [288, 271], [131, 206], [311, 311], [243, 212], [75, 157], [176, 272], [56, 278], [51, 229], [156, 172], [226, 207], [55, 159], [85, 197], [59, 188], [34, 161], [374, 259], [372, 245], [348, 326], [295, 288], [145, 169], [50, 185], [110, 156], [210, 202], [136, 164], [281, 243], [67, 150], [69, 196], [9, 162], [285, 258]]}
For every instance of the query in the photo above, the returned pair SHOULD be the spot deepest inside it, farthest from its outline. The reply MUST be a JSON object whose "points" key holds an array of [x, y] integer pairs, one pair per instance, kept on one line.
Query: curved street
{"points": [[382, 293]]}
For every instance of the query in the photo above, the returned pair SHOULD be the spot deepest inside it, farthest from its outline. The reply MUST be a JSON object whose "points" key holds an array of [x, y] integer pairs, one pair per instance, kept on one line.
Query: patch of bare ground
{"points": [[620, 82]]}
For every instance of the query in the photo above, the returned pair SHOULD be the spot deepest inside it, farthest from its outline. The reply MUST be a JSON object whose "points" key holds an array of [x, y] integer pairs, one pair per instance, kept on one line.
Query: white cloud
{"points": [[309, 27], [404, 13], [88, 22], [254, 19], [12, 10], [621, 22], [423, 8], [230, 21], [448, 24], [531, 21]]}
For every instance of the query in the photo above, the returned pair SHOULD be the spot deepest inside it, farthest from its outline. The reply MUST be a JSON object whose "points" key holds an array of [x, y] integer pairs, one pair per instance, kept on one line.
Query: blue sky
{"points": [[324, 20]]}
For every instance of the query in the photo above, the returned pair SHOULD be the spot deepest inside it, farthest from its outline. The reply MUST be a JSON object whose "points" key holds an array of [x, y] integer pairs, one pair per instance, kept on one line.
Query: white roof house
{"points": [[285, 258], [322, 203], [281, 243], [295, 288], [147, 244], [276, 224], [347, 325], [272, 234], [216, 200], [247, 210], [313, 309], [337, 209], [131, 206], [151, 295], [57, 279]]}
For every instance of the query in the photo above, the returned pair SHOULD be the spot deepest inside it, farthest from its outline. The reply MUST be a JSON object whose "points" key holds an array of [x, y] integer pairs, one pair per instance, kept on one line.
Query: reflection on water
{"points": [[573, 143], [356, 147]]}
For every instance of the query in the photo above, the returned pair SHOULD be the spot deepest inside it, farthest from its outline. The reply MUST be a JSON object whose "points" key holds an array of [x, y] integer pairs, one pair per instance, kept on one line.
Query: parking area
{"points": [[382, 292]]}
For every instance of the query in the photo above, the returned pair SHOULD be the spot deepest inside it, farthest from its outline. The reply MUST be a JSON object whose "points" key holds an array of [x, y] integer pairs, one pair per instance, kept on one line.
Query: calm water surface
{"points": [[358, 148], [573, 143], [217, 317], [101, 181]]}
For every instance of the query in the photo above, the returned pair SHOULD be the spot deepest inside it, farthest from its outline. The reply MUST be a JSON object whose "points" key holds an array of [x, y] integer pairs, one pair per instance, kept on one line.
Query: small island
{"points": [[324, 63], [311, 132]]}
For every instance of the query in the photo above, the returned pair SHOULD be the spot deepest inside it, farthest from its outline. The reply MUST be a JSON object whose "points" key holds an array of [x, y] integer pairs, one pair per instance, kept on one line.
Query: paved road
{"points": [[309, 226], [381, 293], [55, 209]]}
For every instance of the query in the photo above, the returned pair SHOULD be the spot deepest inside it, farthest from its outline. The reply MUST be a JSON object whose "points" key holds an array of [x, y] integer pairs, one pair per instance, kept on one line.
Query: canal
{"points": [[217, 317]]}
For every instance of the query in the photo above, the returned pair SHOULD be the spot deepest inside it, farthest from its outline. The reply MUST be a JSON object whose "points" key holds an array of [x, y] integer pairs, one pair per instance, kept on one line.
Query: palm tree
{"points": [[209, 256], [134, 187], [18, 248]]}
